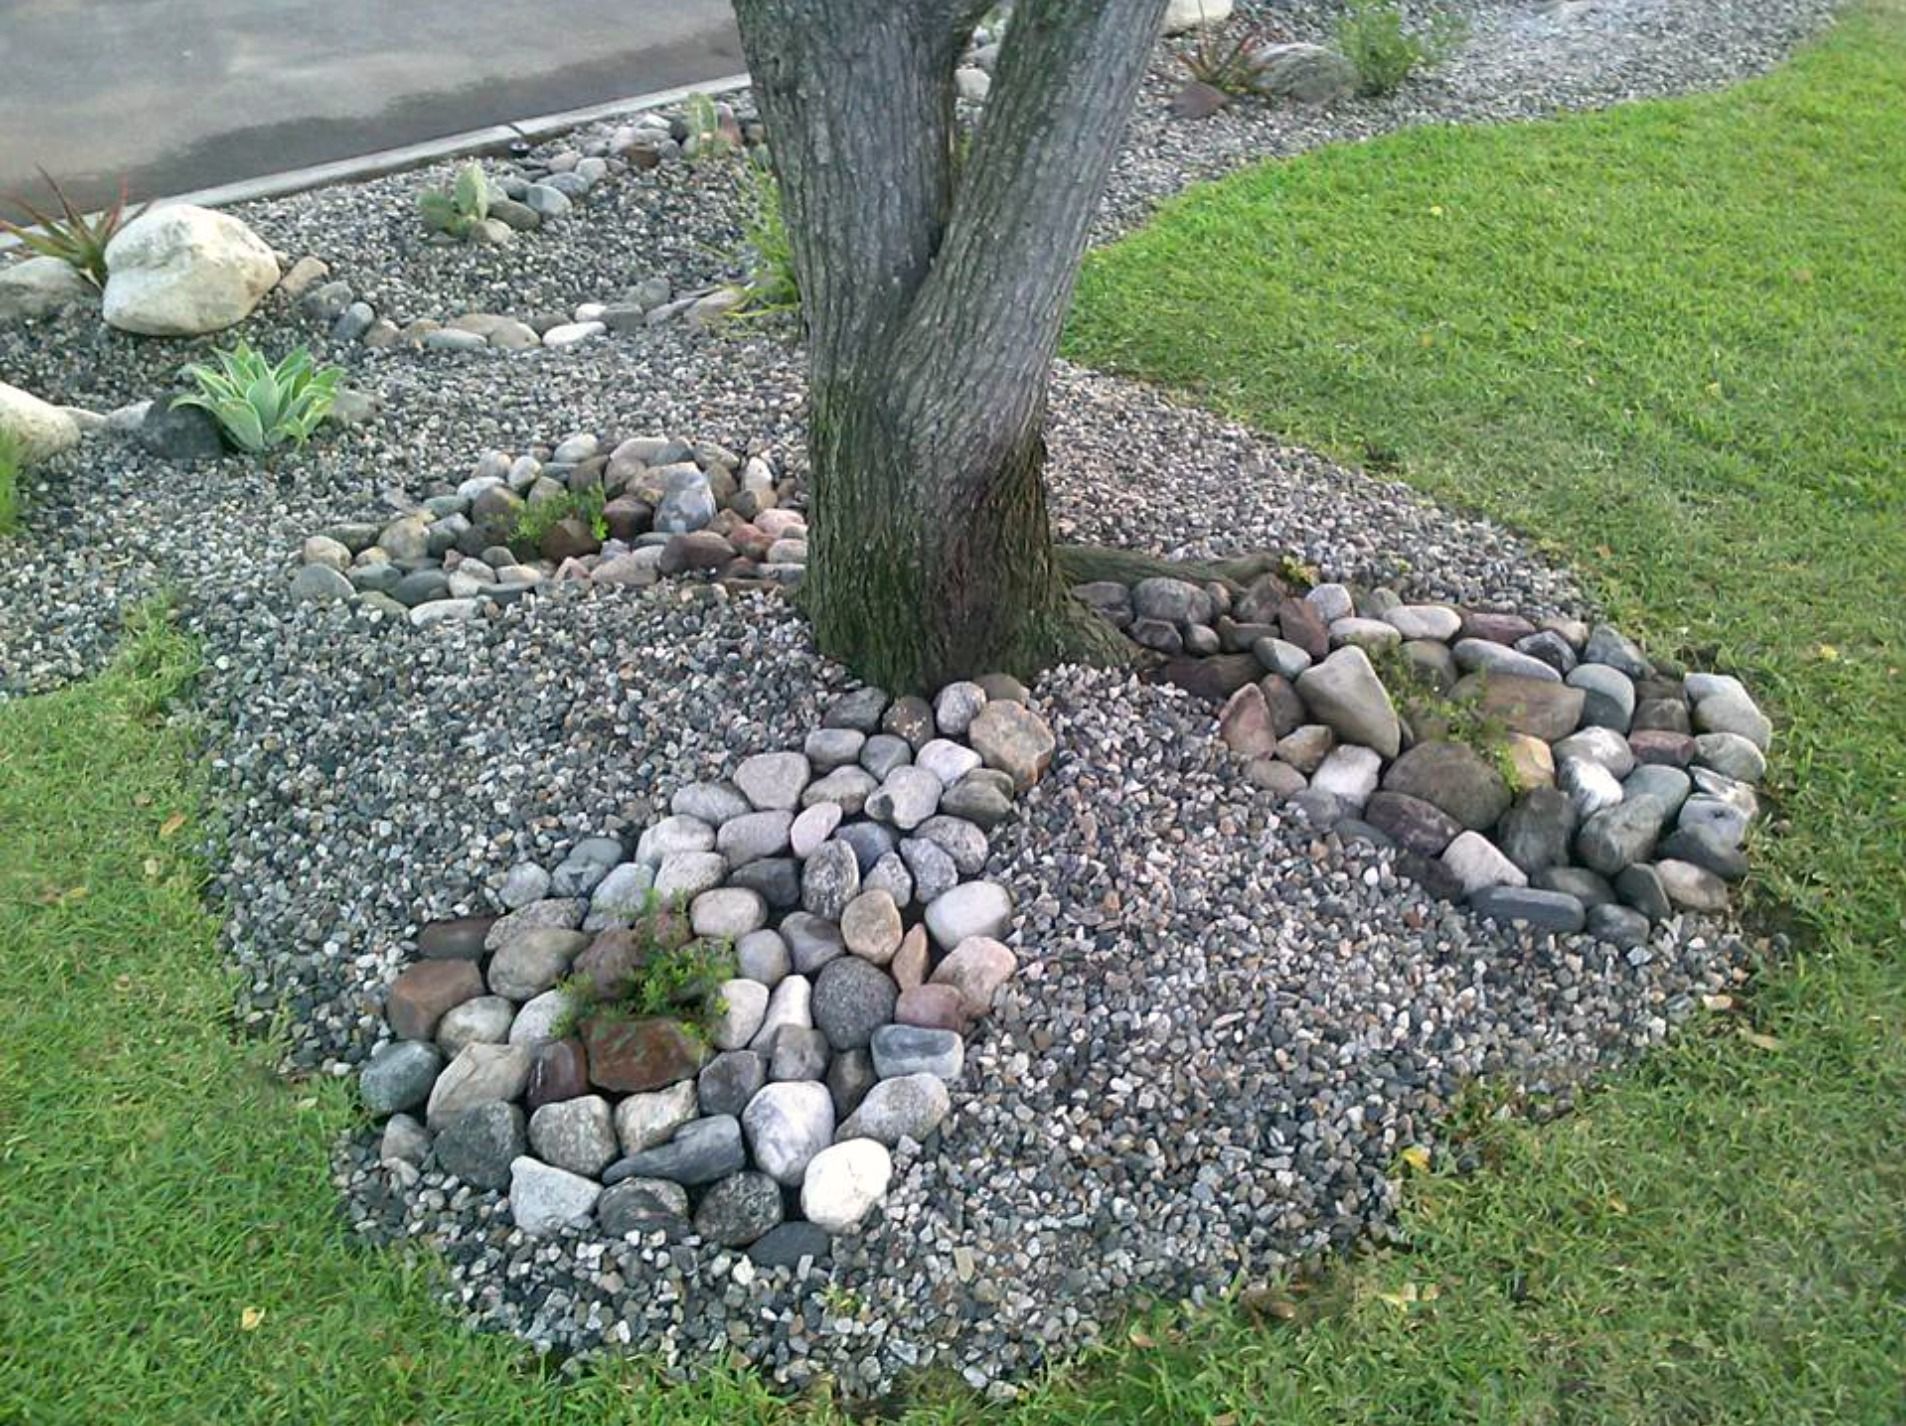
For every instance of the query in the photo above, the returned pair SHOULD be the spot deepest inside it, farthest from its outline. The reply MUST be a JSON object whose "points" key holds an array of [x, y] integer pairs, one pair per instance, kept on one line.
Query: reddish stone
{"points": [[627, 518], [725, 523], [460, 939], [909, 965], [933, 1007], [633, 1056], [558, 1070], [699, 549], [1661, 747], [1245, 724], [1304, 627], [421, 996], [751, 540], [977, 967], [569, 538], [1496, 628], [1259, 604], [1213, 679]]}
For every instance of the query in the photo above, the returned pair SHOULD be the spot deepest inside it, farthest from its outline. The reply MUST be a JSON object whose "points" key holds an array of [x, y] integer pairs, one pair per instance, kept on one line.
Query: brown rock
{"points": [[871, 926], [909, 965], [1532, 760], [1013, 739], [558, 1070], [1454, 778], [1497, 628], [1657, 745], [1260, 603], [1213, 679], [568, 538], [934, 1007], [420, 996], [612, 960], [1412, 823], [1545, 710], [698, 549], [1287, 709], [459, 939], [1245, 724], [1304, 627], [977, 967], [1279, 779], [636, 1055], [628, 518]]}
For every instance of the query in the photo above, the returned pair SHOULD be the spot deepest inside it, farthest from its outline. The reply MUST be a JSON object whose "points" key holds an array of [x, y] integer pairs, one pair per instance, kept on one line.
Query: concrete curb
{"points": [[492, 139]]}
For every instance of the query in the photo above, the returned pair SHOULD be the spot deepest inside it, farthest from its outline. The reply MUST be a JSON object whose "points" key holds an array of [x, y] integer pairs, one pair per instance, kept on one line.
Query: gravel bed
{"points": [[1521, 59], [1224, 1028]]}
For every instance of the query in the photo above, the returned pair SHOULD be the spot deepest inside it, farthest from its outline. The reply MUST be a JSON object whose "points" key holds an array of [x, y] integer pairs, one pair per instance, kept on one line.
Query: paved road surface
{"points": [[177, 95]]}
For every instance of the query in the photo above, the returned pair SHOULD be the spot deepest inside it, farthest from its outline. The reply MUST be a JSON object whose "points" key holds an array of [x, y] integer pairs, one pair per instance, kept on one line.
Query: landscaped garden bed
{"points": [[1230, 971]]}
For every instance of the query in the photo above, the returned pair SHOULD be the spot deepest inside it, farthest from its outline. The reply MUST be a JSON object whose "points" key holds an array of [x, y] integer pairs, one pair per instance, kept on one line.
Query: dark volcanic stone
{"points": [[778, 879], [1640, 887], [1590, 888], [729, 1081]]}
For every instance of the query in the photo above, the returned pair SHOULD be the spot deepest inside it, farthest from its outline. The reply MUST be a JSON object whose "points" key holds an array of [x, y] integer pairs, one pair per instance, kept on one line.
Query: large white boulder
{"points": [[183, 271], [1182, 15], [40, 429]]}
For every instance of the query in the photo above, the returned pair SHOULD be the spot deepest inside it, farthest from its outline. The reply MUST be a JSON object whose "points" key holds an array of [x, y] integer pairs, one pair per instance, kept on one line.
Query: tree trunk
{"points": [[934, 295]]}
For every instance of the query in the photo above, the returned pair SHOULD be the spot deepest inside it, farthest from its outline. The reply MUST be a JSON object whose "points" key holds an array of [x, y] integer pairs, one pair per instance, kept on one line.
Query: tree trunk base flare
{"points": [[935, 277]]}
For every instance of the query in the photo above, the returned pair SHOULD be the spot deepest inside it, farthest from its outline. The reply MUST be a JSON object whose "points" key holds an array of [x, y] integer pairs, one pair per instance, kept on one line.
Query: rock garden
{"points": [[704, 1000]]}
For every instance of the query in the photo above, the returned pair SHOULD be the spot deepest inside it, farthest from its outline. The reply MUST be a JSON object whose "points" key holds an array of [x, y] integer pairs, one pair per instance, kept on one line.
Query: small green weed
{"points": [[766, 253], [1372, 38], [677, 976], [539, 517], [458, 209], [71, 236], [261, 406]]}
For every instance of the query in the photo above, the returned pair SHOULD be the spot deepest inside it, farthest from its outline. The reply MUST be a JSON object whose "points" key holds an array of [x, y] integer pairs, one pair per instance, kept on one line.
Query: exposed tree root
{"points": [[1083, 564]]}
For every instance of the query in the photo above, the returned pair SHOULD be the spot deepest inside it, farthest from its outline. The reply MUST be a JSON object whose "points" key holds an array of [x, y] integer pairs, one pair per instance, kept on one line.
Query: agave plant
{"points": [[71, 236], [260, 405]]}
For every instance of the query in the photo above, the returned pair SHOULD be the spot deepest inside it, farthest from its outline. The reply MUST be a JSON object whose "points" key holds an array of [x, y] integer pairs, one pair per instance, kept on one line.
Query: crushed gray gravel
{"points": [[1224, 1028]]}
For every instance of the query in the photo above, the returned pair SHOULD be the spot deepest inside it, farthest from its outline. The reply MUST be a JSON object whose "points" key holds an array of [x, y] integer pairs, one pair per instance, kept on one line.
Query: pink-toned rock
{"points": [[1245, 724], [1497, 628], [781, 524], [421, 996], [977, 967], [909, 965], [933, 1007]]}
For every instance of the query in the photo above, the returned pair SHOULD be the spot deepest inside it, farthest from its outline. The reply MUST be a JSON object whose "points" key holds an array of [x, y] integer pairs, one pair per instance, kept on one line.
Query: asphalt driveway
{"points": [[176, 95]]}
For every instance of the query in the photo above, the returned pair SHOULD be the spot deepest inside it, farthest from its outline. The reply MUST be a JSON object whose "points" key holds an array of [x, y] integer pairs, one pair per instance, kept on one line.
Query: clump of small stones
{"points": [[843, 875], [1551, 775], [626, 513]]}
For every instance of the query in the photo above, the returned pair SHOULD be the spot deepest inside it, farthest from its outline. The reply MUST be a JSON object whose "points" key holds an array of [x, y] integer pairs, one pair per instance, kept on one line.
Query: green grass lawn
{"points": [[1670, 341]]}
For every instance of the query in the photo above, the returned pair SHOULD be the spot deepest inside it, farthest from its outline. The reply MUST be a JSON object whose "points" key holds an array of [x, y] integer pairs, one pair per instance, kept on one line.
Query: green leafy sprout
{"points": [[539, 517], [678, 977], [766, 253], [458, 209], [258, 405], [1384, 54], [71, 236]]}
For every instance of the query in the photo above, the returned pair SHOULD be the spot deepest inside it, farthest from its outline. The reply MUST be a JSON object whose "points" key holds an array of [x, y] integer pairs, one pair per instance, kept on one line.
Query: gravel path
{"points": [[1224, 1029]]}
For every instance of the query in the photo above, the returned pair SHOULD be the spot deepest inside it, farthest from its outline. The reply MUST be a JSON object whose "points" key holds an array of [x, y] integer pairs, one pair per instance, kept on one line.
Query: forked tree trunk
{"points": [[934, 291]]}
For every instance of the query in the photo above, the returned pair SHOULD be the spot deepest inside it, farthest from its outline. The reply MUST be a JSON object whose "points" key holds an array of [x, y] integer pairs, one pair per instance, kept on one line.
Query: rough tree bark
{"points": [[933, 291]]}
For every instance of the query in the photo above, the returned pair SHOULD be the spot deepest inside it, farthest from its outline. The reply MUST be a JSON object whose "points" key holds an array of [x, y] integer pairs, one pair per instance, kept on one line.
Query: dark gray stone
{"points": [[702, 1151], [1640, 887], [478, 1144], [399, 1076], [852, 999], [785, 1246], [1548, 910], [813, 941], [800, 1052], [778, 879], [739, 1209], [1620, 835], [1535, 832], [1618, 925], [1704, 848], [1454, 778], [729, 1081], [849, 1076], [1590, 888], [642, 1206]]}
